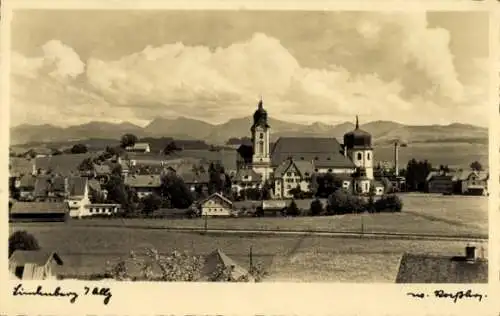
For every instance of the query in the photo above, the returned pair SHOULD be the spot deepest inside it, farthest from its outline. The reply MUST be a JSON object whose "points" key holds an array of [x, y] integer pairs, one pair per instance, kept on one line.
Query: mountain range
{"points": [[383, 132]]}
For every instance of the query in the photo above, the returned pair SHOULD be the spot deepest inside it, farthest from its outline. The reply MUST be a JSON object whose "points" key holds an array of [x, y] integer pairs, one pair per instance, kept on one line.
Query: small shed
{"points": [[218, 259], [34, 264], [216, 205]]}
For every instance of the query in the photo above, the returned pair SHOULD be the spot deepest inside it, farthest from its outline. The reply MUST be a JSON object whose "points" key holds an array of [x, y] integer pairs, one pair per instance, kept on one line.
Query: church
{"points": [[291, 161]]}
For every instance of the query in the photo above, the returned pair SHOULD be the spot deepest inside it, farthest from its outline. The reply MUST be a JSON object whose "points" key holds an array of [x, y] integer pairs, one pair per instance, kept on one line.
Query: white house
{"points": [[101, 209], [78, 195], [216, 205], [139, 148], [291, 174]]}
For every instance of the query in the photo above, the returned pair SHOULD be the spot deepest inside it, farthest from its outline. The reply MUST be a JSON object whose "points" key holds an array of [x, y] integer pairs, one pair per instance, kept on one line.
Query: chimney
{"points": [[470, 253], [396, 159]]}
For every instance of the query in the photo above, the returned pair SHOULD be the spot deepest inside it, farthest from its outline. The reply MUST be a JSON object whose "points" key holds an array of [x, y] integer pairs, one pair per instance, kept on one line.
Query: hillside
{"points": [[383, 132]]}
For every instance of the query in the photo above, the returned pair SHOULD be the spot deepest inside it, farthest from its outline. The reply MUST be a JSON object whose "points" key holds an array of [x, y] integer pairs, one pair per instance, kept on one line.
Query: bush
{"points": [[341, 202], [388, 203], [316, 207], [22, 240]]}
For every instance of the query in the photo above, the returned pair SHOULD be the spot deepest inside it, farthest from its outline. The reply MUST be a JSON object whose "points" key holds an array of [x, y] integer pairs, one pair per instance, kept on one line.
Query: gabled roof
{"points": [[143, 181], [324, 152], [38, 257], [46, 184], [462, 175], [248, 175], [65, 165], [217, 196], [94, 185], [20, 166], [218, 258], [305, 168], [39, 208], [416, 268], [77, 186], [27, 181]]}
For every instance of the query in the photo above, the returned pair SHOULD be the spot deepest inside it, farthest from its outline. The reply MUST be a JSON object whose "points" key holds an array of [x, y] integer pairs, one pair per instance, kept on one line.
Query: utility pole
{"points": [[206, 223], [251, 259]]}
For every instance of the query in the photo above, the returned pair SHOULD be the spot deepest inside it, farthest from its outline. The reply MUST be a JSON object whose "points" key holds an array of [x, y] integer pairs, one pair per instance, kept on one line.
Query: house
{"points": [[50, 188], [62, 165], [226, 157], [245, 179], [379, 188], [38, 212], [217, 261], [472, 182], [34, 264], [19, 166], [440, 182], [291, 174], [78, 196], [99, 209], [26, 187], [415, 268], [144, 184], [216, 205], [196, 180], [139, 148]]}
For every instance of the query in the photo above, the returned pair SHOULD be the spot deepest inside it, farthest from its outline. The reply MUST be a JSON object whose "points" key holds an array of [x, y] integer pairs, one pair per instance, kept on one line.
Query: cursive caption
{"points": [[58, 292], [453, 296]]}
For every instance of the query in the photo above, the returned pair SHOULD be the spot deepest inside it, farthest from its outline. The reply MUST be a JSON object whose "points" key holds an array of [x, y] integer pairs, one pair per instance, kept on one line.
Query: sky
{"points": [[73, 67]]}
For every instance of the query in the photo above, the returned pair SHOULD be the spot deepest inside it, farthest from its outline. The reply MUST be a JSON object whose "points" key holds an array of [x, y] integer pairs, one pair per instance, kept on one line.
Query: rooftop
{"points": [[39, 207], [38, 257]]}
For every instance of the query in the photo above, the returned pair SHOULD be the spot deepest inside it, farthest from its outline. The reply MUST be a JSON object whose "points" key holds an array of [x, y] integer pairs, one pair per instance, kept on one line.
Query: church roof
{"points": [[324, 152], [357, 138]]}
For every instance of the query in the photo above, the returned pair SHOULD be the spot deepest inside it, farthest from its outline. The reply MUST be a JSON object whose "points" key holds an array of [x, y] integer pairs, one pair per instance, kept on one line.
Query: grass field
{"points": [[86, 245], [422, 214]]}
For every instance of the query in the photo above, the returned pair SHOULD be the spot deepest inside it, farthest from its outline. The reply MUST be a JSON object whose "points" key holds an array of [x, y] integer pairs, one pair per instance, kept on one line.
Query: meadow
{"points": [[423, 214], [87, 245]]}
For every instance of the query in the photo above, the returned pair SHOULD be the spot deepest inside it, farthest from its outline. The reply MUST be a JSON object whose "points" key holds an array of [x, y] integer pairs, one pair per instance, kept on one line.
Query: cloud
{"points": [[390, 67]]}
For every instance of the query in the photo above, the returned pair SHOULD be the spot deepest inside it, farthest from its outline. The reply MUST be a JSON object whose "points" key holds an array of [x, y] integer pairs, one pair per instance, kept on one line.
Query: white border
{"points": [[264, 298]]}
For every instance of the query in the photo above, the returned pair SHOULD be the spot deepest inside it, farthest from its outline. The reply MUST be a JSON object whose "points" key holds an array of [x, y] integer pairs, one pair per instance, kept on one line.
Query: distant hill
{"points": [[383, 132]]}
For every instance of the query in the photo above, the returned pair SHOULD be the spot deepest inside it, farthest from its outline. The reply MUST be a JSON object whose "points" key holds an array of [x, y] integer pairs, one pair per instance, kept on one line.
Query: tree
{"points": [[118, 192], [341, 202], [22, 240], [476, 166], [128, 140], [316, 207], [219, 181], [327, 184], [416, 174], [389, 202], [79, 149], [86, 165], [292, 209], [174, 189]]}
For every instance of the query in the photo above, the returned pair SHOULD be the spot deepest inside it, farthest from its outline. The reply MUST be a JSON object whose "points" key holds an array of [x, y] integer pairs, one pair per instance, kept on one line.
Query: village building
{"points": [[440, 182], [139, 148], [292, 174], [38, 212], [472, 182], [218, 260], [34, 264], [216, 205], [245, 179], [94, 209], [144, 185], [26, 187], [78, 196], [322, 155], [49, 188], [416, 268], [61, 165]]}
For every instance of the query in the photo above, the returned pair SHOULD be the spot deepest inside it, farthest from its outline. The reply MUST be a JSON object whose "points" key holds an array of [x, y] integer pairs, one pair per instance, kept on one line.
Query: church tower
{"points": [[261, 158], [358, 147]]}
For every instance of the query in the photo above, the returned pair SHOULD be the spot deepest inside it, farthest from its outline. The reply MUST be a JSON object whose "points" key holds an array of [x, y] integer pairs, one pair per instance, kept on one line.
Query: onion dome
{"points": [[357, 138], [260, 116]]}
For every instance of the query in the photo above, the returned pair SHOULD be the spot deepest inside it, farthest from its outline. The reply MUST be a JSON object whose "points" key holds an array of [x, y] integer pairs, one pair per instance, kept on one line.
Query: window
{"points": [[261, 147], [288, 186], [261, 135], [316, 158], [360, 156], [306, 174], [367, 156], [288, 174], [316, 170], [329, 170], [301, 158]]}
